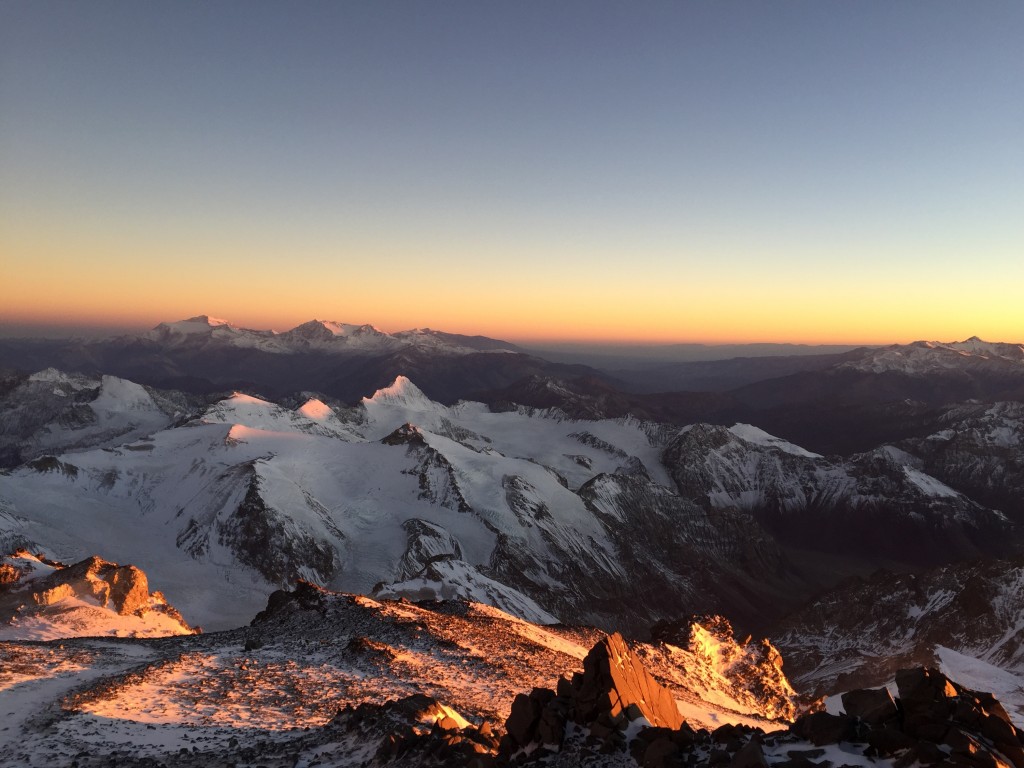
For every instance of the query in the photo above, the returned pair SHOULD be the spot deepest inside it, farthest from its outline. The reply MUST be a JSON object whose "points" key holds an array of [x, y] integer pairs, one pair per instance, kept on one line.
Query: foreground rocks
{"points": [[615, 707]]}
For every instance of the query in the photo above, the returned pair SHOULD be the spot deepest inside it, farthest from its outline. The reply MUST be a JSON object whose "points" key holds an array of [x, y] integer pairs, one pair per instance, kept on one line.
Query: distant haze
{"points": [[639, 355]]}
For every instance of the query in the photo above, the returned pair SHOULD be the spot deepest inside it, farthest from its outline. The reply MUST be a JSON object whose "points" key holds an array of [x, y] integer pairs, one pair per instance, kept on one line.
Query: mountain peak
{"points": [[211, 321], [197, 324], [402, 392]]}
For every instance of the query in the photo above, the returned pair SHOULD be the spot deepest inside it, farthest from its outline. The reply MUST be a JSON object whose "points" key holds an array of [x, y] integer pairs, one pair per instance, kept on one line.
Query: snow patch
{"points": [[757, 436]]}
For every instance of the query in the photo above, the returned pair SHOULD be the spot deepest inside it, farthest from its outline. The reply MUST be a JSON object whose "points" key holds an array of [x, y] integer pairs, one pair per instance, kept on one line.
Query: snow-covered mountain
{"points": [[883, 395], [51, 412], [979, 450], [924, 357], [877, 504], [535, 513], [616, 523], [323, 336]]}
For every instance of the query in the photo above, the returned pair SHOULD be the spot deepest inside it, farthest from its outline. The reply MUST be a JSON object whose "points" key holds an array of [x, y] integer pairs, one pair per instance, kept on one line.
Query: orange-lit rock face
{"points": [[616, 681]]}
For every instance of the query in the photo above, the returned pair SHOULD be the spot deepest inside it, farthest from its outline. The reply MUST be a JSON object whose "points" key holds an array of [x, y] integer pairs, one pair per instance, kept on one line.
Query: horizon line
{"points": [[21, 330]]}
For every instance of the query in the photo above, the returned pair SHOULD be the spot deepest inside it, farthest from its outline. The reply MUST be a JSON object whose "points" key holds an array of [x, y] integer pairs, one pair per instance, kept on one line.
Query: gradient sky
{"points": [[688, 171]]}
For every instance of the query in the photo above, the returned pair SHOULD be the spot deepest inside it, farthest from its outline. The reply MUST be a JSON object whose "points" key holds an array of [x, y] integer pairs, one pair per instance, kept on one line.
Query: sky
{"points": [[793, 171]]}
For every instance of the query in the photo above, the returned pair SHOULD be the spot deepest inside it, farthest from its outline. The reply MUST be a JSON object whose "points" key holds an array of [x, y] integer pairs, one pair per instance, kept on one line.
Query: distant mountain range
{"points": [[830, 403]]}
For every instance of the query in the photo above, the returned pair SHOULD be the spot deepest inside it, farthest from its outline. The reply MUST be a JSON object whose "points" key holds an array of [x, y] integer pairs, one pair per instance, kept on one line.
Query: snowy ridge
{"points": [[533, 514], [52, 412], [326, 336], [331, 498], [752, 434], [745, 467], [923, 357], [980, 451]]}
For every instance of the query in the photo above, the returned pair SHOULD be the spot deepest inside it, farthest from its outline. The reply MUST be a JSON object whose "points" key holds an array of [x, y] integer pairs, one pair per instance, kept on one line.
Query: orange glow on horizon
{"points": [[536, 302], [533, 333]]}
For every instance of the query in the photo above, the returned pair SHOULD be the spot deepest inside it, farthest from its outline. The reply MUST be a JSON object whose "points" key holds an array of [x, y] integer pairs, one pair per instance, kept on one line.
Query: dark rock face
{"points": [[871, 706], [305, 597], [978, 449], [934, 721], [822, 728], [263, 538]]}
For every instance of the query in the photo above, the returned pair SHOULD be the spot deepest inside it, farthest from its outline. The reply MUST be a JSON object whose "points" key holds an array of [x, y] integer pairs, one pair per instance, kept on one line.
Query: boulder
{"points": [[928, 699], [750, 755], [821, 728], [873, 706], [525, 716]]}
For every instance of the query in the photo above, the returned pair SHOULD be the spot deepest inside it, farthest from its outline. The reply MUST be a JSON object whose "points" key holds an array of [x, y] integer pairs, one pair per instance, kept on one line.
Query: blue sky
{"points": [[561, 170]]}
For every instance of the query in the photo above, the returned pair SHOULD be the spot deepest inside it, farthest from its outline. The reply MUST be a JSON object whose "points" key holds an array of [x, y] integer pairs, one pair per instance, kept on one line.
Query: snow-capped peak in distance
{"points": [[402, 393], [197, 324], [326, 329], [328, 336], [922, 357]]}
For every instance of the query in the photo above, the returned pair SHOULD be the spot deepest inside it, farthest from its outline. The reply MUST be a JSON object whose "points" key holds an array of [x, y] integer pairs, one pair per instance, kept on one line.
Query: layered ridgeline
{"points": [[342, 360], [615, 523]]}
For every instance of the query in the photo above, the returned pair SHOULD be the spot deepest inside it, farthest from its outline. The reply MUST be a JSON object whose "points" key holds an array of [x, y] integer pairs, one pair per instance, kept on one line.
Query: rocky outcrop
{"points": [[613, 690], [615, 682], [933, 722], [50, 599], [748, 671], [123, 588]]}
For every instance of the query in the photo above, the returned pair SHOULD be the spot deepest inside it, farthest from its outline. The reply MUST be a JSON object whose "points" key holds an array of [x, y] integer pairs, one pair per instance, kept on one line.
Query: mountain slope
{"points": [[310, 653], [874, 505], [51, 411], [530, 511], [978, 449]]}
